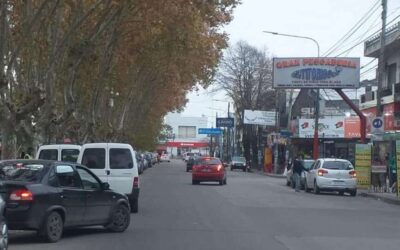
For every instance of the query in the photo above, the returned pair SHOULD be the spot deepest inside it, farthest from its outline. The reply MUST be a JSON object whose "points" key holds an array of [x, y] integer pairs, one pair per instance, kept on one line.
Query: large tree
{"points": [[245, 74], [102, 70]]}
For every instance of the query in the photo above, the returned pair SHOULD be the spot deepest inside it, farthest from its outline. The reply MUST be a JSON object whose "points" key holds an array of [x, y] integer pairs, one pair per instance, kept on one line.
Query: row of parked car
{"points": [[71, 186]]}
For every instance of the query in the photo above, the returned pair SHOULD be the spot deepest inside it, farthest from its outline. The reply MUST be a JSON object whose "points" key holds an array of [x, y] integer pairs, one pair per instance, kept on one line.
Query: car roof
{"points": [[333, 159], [28, 161], [58, 146]]}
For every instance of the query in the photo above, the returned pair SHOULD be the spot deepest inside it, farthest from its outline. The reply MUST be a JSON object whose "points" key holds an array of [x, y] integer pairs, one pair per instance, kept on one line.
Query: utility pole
{"points": [[228, 144], [381, 62]]}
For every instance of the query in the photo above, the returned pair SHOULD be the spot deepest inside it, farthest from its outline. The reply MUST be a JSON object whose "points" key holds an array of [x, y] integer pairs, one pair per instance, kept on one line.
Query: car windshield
{"points": [[238, 159], [189, 154], [28, 172], [208, 161], [339, 165]]}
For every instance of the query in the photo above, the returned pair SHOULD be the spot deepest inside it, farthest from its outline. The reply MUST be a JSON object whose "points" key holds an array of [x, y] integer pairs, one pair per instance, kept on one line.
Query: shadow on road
{"points": [[30, 237]]}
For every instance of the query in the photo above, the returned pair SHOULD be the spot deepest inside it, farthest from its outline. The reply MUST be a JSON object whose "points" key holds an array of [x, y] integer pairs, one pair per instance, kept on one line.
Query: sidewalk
{"points": [[261, 172], [390, 198]]}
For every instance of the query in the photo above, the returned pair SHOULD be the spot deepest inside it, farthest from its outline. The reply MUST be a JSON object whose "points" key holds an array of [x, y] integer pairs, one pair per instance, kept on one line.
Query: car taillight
{"points": [[136, 182], [21, 195], [321, 172], [353, 174], [219, 168]]}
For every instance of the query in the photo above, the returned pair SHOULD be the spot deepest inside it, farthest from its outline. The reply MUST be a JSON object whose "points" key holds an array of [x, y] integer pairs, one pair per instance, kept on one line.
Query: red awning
{"points": [[177, 144]]}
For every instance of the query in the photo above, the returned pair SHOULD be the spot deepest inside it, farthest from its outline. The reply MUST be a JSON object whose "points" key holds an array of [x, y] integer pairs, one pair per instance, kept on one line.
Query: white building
{"points": [[186, 136]]}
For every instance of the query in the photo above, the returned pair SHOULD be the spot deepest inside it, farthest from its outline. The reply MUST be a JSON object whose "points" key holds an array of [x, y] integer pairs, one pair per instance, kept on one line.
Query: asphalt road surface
{"points": [[251, 212]]}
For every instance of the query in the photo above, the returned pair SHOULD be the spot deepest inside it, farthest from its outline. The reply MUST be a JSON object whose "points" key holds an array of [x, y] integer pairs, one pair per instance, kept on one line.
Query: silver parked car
{"points": [[328, 174], [307, 164]]}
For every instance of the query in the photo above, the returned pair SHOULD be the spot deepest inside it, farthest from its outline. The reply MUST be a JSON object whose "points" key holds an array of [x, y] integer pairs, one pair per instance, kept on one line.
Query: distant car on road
{"points": [[238, 162], [48, 196], [307, 164], [208, 169], [3, 226], [165, 157], [328, 174], [188, 155]]}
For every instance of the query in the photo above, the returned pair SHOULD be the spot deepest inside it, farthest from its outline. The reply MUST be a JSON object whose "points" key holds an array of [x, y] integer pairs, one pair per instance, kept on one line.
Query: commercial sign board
{"points": [[327, 128], [258, 117], [210, 131], [316, 72], [377, 125], [363, 165], [227, 122], [398, 167], [187, 144]]}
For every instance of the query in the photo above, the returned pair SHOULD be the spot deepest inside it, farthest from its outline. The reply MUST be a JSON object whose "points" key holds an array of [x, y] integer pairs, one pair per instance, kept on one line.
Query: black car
{"points": [[238, 162], [3, 227], [140, 162], [49, 196]]}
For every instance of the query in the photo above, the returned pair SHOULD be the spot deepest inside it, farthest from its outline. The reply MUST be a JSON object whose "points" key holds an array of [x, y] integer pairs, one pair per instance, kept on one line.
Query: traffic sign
{"points": [[377, 125], [210, 131], [225, 122]]}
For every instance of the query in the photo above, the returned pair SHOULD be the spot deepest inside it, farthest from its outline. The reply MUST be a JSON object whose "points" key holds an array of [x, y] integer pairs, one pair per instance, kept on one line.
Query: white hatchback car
{"points": [[165, 157], [328, 174]]}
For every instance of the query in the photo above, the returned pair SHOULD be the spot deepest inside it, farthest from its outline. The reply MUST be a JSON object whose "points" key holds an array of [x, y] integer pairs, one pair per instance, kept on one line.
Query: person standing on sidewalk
{"points": [[298, 168], [393, 174]]}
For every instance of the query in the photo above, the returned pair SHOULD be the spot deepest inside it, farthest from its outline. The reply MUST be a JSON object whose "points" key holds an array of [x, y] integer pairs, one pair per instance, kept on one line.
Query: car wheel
{"points": [[53, 227], [221, 183], [244, 169], [353, 192], [187, 169], [341, 193], [231, 168], [194, 182], [134, 205], [316, 188], [120, 219], [225, 182]]}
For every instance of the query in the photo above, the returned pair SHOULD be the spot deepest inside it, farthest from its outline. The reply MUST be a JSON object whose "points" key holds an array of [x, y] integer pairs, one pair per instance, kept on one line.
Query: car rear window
{"points": [[210, 161], [308, 164], [339, 165], [21, 172], [49, 154], [121, 158], [69, 155], [94, 158], [239, 159]]}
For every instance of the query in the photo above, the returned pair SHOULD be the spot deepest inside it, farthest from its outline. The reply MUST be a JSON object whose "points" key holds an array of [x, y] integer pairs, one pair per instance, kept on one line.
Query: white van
{"points": [[114, 163], [59, 152]]}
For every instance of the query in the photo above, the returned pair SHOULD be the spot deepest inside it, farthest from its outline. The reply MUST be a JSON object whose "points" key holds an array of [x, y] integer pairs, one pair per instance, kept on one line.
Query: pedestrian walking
{"points": [[298, 168], [393, 174]]}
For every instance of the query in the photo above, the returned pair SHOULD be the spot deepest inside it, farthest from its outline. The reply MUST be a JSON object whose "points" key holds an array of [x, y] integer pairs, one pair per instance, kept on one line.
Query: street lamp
{"points": [[315, 141]]}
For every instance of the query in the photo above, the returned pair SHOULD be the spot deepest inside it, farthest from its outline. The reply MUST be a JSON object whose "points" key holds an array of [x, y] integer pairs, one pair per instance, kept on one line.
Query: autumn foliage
{"points": [[102, 70]]}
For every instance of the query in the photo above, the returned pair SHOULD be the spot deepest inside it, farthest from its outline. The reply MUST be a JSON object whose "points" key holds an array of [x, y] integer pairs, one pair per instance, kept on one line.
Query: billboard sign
{"points": [[363, 165], [327, 128], [210, 131], [258, 117], [316, 72], [225, 122]]}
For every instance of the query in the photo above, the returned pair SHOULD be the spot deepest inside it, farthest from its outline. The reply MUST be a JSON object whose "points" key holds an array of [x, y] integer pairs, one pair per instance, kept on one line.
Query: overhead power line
{"points": [[360, 22]]}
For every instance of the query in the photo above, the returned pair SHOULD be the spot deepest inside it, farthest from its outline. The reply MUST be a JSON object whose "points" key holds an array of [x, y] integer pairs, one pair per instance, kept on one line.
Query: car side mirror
{"points": [[105, 186]]}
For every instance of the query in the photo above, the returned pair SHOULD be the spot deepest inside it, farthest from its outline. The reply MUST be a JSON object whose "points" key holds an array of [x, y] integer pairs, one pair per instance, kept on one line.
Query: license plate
{"points": [[206, 170]]}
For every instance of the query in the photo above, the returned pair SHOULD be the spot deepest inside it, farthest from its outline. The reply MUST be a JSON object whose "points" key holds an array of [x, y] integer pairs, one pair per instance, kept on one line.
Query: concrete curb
{"points": [[376, 196], [275, 175]]}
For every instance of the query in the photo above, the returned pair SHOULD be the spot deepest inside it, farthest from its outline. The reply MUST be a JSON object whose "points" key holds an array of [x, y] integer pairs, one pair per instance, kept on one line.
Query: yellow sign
{"points": [[398, 167], [268, 160], [363, 165]]}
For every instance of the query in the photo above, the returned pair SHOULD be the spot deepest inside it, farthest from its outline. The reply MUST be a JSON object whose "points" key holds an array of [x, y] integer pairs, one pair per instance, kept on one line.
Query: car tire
{"points": [[244, 169], [134, 203], [341, 193], [316, 188], [187, 169], [120, 219], [194, 182], [231, 168], [221, 183], [353, 192], [225, 182], [52, 228]]}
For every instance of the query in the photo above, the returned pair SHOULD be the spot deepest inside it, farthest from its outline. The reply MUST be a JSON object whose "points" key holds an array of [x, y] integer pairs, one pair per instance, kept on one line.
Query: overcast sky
{"points": [[327, 21]]}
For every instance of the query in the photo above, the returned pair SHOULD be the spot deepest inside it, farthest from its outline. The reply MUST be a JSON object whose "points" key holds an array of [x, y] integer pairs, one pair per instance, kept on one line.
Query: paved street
{"points": [[251, 212]]}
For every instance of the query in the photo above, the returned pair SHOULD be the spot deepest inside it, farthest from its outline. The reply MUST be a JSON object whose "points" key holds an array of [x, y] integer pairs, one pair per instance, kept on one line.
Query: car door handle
{"points": [[63, 196], [108, 172]]}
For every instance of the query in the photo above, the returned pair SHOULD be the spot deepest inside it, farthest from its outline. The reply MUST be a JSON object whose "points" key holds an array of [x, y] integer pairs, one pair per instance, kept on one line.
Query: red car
{"points": [[208, 169]]}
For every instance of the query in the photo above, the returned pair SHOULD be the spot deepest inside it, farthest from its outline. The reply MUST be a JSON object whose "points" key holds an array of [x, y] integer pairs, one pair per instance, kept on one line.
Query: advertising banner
{"points": [[352, 127], [268, 160], [363, 165], [398, 167], [258, 117], [321, 72], [327, 128]]}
